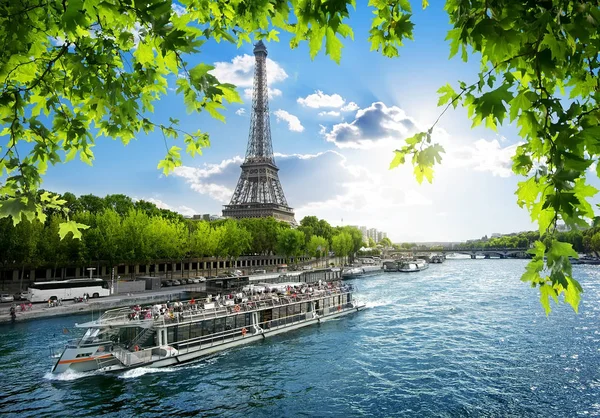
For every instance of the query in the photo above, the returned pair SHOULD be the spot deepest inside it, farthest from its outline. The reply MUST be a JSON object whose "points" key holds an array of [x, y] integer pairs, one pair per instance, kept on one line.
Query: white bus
{"points": [[67, 289]]}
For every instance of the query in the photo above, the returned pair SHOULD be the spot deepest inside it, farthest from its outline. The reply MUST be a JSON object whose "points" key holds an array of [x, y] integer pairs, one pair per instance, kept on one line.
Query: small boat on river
{"points": [[412, 266], [361, 271], [169, 334], [405, 266]]}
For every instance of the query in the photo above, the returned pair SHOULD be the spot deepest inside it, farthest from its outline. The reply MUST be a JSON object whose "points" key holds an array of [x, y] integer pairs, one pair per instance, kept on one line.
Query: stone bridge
{"points": [[473, 252]]}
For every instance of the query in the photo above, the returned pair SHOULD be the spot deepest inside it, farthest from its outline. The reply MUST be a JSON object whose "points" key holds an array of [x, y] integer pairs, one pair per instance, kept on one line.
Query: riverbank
{"points": [[42, 310]]}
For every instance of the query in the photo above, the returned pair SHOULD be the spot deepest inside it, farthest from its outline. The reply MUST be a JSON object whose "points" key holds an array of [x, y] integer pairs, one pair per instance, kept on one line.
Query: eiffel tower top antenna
{"points": [[260, 146]]}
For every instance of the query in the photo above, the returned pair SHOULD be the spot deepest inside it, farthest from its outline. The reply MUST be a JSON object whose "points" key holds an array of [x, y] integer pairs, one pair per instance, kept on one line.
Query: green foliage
{"points": [[311, 225], [342, 244], [291, 242], [317, 246], [116, 230], [386, 242]]}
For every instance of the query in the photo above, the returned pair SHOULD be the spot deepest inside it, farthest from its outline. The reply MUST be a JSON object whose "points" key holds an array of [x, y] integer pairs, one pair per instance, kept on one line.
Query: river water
{"points": [[464, 338]]}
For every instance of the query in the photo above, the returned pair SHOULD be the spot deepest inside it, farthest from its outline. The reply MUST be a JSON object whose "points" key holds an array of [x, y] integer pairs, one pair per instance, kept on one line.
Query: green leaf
{"points": [[560, 249], [454, 38], [315, 40], [13, 207], [333, 46], [398, 159], [527, 192], [199, 71], [547, 292], [518, 103], [144, 53], [532, 271], [405, 5], [423, 172], [72, 227], [446, 93], [573, 293]]}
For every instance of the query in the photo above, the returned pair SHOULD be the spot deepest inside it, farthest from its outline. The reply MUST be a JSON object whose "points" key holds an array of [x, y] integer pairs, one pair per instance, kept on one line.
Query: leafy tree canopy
{"points": [[75, 70]]}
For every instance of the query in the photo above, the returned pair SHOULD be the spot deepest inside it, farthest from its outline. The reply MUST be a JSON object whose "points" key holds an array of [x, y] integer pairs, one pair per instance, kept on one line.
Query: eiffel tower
{"points": [[258, 193]]}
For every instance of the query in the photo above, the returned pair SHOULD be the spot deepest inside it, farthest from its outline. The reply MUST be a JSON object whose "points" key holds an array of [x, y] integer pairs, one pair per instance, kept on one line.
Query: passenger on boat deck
{"points": [[192, 301]]}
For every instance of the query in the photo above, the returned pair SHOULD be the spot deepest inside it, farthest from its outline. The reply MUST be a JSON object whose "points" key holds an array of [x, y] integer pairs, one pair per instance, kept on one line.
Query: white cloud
{"points": [[319, 99], [482, 155], [349, 107], [293, 121], [241, 111], [374, 124], [330, 113], [199, 178], [240, 71]]}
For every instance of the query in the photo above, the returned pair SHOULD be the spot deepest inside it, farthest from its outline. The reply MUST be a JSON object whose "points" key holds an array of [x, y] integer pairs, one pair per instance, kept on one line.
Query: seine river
{"points": [[464, 338]]}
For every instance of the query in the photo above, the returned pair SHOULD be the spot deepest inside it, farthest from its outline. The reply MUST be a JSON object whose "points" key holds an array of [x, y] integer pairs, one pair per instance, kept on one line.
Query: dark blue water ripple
{"points": [[462, 339]]}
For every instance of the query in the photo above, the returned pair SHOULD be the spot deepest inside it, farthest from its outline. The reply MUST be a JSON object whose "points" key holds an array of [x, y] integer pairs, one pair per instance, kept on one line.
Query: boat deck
{"points": [[192, 311]]}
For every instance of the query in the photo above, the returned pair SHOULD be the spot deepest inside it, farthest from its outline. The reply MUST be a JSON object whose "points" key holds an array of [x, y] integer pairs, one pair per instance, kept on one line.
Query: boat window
{"points": [[83, 355], [195, 330], [219, 325], [296, 308], [208, 327], [183, 332], [275, 313], [230, 322], [248, 319], [171, 334]]}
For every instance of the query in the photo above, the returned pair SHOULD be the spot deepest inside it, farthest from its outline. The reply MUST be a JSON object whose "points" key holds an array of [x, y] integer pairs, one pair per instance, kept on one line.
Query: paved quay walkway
{"points": [[41, 310]]}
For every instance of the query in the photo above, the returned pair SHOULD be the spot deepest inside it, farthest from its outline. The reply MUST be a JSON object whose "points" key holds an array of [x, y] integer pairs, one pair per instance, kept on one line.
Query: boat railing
{"points": [[196, 311], [130, 358]]}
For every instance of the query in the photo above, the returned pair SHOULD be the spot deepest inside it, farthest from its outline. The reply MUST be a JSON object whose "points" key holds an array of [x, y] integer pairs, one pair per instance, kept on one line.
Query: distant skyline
{"points": [[334, 128]]}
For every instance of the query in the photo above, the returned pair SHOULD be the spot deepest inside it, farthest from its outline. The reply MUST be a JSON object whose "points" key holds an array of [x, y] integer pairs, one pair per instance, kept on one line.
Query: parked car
{"points": [[201, 279], [21, 296], [176, 283], [5, 297], [168, 283], [259, 271], [184, 281], [307, 268]]}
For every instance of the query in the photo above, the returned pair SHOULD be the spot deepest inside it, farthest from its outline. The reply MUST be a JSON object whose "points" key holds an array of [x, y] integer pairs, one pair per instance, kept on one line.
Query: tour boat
{"points": [[173, 333]]}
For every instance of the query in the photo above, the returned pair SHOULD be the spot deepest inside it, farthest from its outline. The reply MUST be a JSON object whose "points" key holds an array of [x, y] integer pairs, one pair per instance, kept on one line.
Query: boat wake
{"points": [[141, 371], [68, 375], [377, 303]]}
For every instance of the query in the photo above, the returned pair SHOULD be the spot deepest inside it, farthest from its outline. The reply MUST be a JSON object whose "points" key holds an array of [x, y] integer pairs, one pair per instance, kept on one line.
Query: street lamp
{"points": [[91, 270]]}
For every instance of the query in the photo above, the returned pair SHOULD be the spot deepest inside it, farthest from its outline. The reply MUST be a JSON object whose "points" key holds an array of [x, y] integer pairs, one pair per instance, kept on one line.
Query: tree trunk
{"points": [[22, 274]]}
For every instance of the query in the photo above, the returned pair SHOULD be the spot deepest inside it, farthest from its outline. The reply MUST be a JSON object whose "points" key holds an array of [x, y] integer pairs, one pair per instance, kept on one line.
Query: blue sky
{"points": [[334, 147]]}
